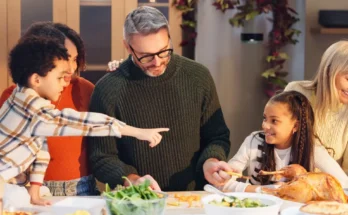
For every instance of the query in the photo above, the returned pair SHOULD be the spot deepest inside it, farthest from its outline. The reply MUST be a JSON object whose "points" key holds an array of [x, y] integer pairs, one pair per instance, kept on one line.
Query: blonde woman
{"points": [[328, 94]]}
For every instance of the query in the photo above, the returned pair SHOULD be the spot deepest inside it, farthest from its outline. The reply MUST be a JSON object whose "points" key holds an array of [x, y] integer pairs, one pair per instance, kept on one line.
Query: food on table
{"points": [[288, 172], [80, 212], [180, 197], [325, 208], [310, 186], [17, 213], [239, 175], [233, 201], [135, 200]]}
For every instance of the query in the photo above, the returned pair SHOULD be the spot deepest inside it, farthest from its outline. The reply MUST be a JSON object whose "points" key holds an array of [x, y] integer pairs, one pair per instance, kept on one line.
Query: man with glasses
{"points": [[155, 87]]}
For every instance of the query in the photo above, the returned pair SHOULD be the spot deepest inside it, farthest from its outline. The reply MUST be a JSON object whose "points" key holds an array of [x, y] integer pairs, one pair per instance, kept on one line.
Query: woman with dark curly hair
{"points": [[68, 173]]}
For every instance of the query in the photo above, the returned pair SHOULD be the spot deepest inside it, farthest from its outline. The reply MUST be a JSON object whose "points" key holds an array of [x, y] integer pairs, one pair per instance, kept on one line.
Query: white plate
{"points": [[288, 204], [294, 211], [71, 204]]}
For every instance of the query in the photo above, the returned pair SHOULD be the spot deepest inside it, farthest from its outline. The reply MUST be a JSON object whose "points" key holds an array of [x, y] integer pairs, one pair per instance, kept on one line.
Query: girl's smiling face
{"points": [[278, 124]]}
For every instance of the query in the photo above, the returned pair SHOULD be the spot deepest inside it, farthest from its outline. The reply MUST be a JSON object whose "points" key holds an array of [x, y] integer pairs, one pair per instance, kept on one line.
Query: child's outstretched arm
{"points": [[150, 135], [68, 122]]}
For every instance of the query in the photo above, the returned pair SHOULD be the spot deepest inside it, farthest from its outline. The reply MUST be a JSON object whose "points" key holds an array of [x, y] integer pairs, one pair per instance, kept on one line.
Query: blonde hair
{"points": [[334, 61]]}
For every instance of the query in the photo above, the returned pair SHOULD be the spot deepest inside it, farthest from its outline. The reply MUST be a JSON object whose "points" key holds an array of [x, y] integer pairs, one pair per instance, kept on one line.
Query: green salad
{"points": [[135, 200], [233, 201]]}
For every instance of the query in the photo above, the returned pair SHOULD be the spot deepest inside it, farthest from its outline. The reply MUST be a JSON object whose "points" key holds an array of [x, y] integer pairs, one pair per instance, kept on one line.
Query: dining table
{"points": [[173, 205]]}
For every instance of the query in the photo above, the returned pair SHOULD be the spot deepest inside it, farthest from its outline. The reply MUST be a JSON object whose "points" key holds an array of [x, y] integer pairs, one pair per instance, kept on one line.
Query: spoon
{"points": [[211, 189]]}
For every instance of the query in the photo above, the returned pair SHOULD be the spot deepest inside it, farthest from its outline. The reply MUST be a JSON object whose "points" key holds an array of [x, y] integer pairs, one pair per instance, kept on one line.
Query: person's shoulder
{"points": [[197, 72], [192, 66], [83, 83], [256, 137], [110, 85], [303, 87], [10, 89], [298, 86]]}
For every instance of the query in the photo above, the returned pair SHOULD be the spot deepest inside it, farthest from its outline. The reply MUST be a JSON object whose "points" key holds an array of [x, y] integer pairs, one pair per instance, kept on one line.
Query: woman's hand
{"points": [[113, 65]]}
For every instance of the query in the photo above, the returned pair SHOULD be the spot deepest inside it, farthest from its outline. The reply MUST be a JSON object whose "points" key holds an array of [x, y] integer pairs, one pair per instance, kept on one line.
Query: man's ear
{"points": [[126, 45], [34, 80]]}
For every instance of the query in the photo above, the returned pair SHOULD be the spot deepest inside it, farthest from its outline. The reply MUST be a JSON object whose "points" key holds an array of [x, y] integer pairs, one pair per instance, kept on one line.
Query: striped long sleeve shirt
{"points": [[26, 119]]}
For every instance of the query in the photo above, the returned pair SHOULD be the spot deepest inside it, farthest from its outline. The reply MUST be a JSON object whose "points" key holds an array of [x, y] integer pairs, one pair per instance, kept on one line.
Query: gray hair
{"points": [[144, 20]]}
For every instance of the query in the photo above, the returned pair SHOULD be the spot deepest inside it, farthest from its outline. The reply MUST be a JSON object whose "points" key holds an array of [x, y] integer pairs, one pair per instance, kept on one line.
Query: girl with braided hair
{"points": [[287, 137]]}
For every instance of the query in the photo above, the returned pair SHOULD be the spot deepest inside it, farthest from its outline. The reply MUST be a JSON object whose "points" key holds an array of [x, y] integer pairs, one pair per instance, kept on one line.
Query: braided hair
{"points": [[303, 140]]}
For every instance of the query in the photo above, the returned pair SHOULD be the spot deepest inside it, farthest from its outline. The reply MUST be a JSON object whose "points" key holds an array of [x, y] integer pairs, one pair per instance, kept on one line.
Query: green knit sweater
{"points": [[183, 99]]}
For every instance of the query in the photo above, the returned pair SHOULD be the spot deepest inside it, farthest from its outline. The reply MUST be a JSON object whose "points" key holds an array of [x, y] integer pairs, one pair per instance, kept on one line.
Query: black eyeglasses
{"points": [[149, 57]]}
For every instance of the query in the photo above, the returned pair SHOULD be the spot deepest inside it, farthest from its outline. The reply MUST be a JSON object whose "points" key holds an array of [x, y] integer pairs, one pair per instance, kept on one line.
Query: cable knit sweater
{"points": [[183, 99], [334, 132]]}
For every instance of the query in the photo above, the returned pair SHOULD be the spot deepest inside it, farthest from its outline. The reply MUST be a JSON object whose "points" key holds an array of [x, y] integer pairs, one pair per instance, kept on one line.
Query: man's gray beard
{"points": [[149, 73]]}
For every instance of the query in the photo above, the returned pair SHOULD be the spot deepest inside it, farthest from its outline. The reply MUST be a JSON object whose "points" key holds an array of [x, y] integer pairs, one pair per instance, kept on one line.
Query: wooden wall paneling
{"points": [[13, 27]]}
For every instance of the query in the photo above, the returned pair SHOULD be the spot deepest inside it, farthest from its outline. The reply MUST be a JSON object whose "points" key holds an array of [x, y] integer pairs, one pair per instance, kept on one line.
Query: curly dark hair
{"points": [[78, 42], [303, 140], [44, 29], [35, 55], [60, 32]]}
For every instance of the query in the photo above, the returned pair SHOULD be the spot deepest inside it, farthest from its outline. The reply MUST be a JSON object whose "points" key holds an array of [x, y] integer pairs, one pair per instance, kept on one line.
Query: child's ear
{"points": [[34, 80], [295, 129]]}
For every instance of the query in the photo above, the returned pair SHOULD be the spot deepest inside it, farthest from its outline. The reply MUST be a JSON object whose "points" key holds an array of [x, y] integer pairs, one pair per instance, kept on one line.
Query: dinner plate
{"points": [[293, 211], [345, 190]]}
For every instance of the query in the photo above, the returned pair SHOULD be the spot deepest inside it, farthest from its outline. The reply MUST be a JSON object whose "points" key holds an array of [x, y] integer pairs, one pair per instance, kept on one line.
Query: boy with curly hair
{"points": [[38, 66]]}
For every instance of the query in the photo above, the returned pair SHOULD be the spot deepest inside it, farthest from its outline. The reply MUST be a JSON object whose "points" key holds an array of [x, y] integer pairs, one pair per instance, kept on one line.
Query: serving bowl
{"points": [[272, 204]]}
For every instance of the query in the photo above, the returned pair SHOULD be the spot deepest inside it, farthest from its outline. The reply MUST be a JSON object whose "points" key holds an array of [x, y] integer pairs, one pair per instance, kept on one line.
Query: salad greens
{"points": [[135, 200], [232, 201]]}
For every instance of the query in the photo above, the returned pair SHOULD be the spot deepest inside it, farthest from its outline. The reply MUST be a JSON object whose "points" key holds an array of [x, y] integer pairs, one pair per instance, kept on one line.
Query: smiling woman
{"points": [[328, 94]]}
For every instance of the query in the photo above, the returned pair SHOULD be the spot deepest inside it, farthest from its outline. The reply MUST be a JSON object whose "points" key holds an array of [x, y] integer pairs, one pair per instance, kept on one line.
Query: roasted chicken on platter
{"points": [[308, 186]]}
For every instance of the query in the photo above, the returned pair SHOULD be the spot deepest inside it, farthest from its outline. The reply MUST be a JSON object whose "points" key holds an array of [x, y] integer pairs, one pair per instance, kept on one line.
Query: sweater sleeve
{"points": [[104, 159], [214, 133], [324, 162]]}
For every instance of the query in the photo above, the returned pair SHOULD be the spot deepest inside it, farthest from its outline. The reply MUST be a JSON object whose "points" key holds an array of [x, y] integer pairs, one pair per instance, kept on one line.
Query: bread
{"points": [[17, 213], [325, 208]]}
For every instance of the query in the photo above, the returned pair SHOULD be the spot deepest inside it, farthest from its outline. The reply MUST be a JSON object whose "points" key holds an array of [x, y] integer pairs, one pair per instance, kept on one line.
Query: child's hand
{"points": [[151, 135], [34, 192]]}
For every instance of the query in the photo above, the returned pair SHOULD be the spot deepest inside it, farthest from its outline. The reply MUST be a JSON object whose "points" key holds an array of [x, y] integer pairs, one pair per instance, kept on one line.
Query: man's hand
{"points": [[215, 171], [136, 179], [34, 192]]}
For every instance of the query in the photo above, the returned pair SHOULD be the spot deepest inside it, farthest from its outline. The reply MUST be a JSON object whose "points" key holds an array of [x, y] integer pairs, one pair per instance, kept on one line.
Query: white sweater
{"points": [[247, 154], [334, 133]]}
